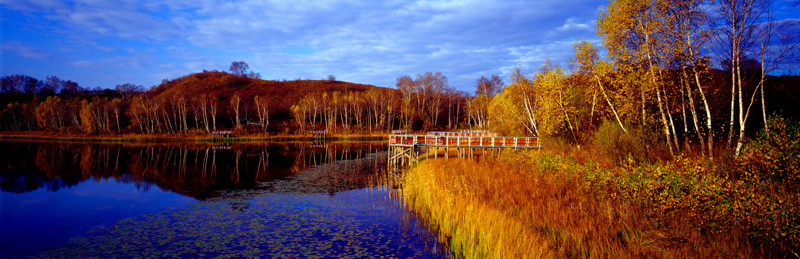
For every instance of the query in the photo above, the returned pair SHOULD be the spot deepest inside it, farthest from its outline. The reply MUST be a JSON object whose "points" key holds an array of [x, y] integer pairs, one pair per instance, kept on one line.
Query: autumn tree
{"points": [[314, 105], [330, 103], [524, 89], [212, 109], [777, 48], [236, 101], [32, 86], [454, 102], [357, 106], [10, 84], [144, 112], [747, 28], [262, 111], [631, 31], [127, 90], [562, 102], [51, 85], [477, 110], [239, 68], [590, 64], [19, 116], [422, 88], [71, 88], [489, 87], [485, 90], [100, 112], [685, 32], [372, 99], [116, 107], [49, 113], [299, 116], [87, 118], [199, 113], [407, 86], [20, 84], [432, 87], [507, 108], [744, 33]]}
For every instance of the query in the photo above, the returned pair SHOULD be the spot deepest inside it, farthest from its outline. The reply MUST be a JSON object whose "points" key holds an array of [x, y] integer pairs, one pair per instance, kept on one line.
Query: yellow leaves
{"points": [[87, 118]]}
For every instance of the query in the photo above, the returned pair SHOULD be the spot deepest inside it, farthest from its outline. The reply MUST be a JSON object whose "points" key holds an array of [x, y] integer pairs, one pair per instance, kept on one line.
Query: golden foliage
{"points": [[549, 204]]}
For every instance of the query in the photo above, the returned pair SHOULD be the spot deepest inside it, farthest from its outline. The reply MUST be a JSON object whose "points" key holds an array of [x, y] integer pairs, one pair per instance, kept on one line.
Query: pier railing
{"points": [[464, 134], [405, 149], [434, 139]]}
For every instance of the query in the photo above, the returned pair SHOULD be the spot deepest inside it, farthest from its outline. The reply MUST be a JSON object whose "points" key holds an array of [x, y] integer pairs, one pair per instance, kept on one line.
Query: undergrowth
{"points": [[577, 203]]}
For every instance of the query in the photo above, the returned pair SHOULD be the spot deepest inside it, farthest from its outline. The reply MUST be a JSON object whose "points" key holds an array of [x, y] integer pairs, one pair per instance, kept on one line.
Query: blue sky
{"points": [[104, 43]]}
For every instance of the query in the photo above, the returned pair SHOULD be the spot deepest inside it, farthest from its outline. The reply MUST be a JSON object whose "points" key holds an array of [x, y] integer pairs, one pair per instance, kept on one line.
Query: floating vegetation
{"points": [[332, 177], [348, 224], [324, 204]]}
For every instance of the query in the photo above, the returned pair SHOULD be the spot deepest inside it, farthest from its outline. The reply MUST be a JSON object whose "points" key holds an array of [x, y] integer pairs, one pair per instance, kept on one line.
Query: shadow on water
{"points": [[245, 199]]}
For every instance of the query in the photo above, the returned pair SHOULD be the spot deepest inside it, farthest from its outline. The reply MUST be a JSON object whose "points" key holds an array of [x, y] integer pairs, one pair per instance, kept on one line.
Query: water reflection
{"points": [[196, 170], [54, 191]]}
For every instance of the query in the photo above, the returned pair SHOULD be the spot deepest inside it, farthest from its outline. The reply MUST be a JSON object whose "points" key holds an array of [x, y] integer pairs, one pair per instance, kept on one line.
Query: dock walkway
{"points": [[406, 148]]}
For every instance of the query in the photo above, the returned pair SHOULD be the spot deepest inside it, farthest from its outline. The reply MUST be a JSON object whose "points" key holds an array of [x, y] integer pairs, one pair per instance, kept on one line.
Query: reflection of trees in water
{"points": [[197, 170], [333, 168]]}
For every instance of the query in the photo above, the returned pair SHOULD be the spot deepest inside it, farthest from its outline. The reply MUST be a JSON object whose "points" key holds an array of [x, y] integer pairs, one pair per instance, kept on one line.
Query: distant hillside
{"points": [[282, 94], [781, 94]]}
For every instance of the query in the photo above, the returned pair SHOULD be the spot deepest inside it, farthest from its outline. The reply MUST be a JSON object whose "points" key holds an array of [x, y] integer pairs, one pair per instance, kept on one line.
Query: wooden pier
{"points": [[221, 133], [405, 149], [318, 133]]}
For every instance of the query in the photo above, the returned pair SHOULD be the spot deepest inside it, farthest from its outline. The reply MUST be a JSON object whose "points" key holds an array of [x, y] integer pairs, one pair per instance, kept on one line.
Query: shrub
{"points": [[774, 155], [770, 164], [618, 146]]}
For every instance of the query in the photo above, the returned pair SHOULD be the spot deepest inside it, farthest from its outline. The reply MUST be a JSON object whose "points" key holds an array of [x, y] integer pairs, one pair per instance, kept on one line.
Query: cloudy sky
{"points": [[104, 43]]}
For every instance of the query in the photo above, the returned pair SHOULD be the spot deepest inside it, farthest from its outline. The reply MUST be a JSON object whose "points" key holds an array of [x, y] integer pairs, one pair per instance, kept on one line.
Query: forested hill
{"points": [[281, 95], [240, 100]]}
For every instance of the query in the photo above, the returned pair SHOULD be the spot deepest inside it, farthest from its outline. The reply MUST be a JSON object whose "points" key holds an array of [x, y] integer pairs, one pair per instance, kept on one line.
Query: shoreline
{"points": [[141, 138]]}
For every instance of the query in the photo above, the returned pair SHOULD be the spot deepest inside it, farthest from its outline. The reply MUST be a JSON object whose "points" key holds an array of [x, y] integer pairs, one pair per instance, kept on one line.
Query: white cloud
{"points": [[370, 42], [381, 41], [24, 50], [32, 5]]}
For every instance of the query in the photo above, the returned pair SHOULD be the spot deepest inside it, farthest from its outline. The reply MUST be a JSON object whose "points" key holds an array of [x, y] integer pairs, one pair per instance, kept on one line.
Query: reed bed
{"points": [[540, 204]]}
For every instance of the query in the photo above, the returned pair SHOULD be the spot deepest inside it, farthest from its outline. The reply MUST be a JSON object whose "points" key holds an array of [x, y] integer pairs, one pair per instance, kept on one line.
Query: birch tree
{"points": [[589, 62], [262, 111]]}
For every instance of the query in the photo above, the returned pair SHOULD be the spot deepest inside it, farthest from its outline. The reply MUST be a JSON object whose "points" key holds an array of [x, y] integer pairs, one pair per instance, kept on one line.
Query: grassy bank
{"points": [[570, 203], [182, 138]]}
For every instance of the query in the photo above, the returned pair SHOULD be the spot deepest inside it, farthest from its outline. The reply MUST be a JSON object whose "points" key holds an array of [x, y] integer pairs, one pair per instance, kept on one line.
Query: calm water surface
{"points": [[202, 200]]}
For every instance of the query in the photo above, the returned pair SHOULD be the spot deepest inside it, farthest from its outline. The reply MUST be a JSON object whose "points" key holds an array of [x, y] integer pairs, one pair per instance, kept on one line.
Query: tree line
{"points": [[228, 100]]}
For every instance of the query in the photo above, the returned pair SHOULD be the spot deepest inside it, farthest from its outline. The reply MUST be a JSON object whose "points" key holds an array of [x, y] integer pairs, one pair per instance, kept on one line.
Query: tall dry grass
{"points": [[540, 204]]}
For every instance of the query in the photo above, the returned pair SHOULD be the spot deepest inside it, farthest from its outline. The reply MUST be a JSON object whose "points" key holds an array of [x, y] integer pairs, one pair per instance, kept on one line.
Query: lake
{"points": [[298, 199]]}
